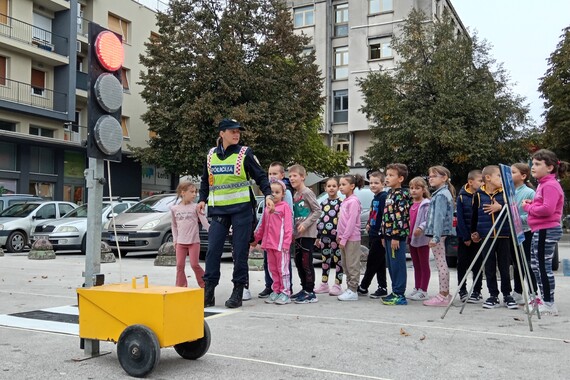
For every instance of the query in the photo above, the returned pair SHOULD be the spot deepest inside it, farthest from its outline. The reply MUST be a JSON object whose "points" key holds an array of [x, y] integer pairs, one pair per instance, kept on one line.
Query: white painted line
{"points": [[39, 294], [40, 325], [70, 309], [298, 367]]}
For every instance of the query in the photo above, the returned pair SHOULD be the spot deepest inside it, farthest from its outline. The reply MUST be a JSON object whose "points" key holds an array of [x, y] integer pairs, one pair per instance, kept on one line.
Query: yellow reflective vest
{"points": [[228, 183]]}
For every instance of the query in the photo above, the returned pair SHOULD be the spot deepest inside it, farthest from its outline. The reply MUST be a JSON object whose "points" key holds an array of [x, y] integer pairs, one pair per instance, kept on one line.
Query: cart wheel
{"points": [[195, 349], [138, 350]]}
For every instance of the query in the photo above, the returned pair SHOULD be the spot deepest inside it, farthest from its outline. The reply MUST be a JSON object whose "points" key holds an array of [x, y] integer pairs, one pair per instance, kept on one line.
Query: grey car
{"points": [[18, 221], [69, 232], [7, 200]]}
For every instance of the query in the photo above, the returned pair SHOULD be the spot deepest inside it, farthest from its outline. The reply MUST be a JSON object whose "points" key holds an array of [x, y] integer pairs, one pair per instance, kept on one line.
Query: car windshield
{"points": [[153, 204], [19, 210], [364, 195], [81, 211]]}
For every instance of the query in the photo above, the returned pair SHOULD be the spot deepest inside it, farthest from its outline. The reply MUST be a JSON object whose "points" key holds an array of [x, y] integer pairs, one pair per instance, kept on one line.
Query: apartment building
{"points": [[350, 39], [43, 95]]}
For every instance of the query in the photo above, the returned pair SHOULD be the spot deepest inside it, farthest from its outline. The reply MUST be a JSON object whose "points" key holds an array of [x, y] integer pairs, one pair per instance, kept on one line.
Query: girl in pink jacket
{"points": [[348, 234], [276, 234]]}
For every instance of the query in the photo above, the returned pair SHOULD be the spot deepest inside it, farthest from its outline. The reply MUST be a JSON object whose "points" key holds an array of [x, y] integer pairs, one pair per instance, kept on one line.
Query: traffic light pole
{"points": [[95, 179]]}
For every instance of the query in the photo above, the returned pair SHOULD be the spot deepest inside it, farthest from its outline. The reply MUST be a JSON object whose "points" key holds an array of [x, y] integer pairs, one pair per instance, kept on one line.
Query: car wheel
{"points": [[167, 237], [16, 242], [555, 259], [84, 245]]}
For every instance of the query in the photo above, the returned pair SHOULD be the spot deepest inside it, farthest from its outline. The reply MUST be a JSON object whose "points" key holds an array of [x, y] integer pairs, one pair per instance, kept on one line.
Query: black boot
{"points": [[235, 299], [209, 292]]}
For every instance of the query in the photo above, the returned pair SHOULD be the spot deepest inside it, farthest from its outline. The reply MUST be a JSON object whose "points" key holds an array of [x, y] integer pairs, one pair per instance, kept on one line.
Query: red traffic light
{"points": [[109, 51]]}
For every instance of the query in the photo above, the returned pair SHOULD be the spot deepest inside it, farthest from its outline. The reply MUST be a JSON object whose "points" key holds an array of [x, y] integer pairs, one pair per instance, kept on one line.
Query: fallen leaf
{"points": [[517, 319], [423, 337], [44, 277], [403, 332]]}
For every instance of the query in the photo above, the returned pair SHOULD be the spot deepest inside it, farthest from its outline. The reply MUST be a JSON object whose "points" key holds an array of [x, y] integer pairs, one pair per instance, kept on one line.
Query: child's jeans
{"points": [[396, 264]]}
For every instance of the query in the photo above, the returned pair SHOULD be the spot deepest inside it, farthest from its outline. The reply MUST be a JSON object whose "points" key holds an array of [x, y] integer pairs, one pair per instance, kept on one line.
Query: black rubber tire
{"points": [[16, 242], [84, 244], [555, 259], [138, 350], [195, 349], [168, 238]]}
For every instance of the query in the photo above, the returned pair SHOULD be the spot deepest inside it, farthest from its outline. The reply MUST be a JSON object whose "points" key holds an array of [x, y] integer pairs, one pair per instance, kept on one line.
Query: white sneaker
{"points": [[348, 295], [518, 298], [420, 295], [546, 309], [246, 295], [413, 293]]}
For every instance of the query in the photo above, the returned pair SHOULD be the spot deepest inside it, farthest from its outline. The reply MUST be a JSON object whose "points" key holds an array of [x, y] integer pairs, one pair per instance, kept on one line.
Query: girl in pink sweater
{"points": [[544, 215], [185, 233], [348, 234], [276, 234]]}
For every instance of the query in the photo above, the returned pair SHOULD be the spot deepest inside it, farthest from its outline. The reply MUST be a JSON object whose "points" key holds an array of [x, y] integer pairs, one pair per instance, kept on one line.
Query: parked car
{"points": [[7, 200], [69, 232], [18, 221]]}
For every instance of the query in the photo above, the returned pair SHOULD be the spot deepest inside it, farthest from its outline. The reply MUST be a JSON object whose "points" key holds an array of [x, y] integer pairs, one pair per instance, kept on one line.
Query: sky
{"points": [[523, 34]]}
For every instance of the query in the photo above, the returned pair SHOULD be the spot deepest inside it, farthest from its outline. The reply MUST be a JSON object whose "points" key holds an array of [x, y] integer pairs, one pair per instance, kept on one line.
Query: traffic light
{"points": [[105, 98]]}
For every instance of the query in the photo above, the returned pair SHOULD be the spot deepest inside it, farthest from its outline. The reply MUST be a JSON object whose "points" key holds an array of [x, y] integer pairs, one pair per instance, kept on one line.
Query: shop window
{"points": [[7, 156], [42, 160]]}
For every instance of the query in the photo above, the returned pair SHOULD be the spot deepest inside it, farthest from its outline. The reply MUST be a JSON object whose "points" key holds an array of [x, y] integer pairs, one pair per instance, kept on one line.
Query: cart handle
{"points": [[134, 281]]}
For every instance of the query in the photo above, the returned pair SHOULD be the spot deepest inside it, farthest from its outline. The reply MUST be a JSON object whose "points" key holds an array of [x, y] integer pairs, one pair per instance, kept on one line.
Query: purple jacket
{"points": [[421, 222], [545, 211], [349, 220]]}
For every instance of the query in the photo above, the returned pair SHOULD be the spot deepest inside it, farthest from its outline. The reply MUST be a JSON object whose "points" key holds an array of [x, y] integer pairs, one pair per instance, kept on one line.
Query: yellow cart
{"points": [[141, 320]]}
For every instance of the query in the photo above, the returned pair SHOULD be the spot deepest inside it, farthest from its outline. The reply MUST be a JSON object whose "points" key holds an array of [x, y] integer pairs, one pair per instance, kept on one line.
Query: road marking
{"points": [[399, 324], [298, 367]]}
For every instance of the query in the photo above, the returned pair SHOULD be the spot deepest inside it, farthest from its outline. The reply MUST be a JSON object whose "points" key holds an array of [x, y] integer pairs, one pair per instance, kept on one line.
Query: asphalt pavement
{"points": [[326, 340]]}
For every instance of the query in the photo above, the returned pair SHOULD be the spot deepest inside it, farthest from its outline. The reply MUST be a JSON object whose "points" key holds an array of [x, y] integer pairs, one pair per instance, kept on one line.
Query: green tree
{"points": [[445, 103], [555, 89], [240, 59]]}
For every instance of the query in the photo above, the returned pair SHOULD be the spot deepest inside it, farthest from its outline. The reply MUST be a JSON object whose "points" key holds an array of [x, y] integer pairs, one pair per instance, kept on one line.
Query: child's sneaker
{"points": [[394, 299], [546, 309], [323, 288], [336, 290], [518, 297], [438, 300], [307, 297], [272, 298], [413, 293], [510, 303], [296, 295], [361, 291], [419, 295], [282, 299], [463, 296], [348, 295], [246, 295], [379, 293], [491, 303], [475, 297], [265, 293]]}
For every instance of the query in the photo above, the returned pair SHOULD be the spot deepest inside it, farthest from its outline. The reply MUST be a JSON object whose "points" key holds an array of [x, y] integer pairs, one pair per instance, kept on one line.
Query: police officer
{"points": [[226, 187]]}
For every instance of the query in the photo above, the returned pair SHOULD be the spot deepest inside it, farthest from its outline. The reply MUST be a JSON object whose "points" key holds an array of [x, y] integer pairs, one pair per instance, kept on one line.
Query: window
{"points": [[341, 20], [380, 48], [4, 12], [152, 134], [3, 69], [125, 78], [41, 31], [342, 142], [340, 113], [124, 126], [304, 16], [38, 82], [41, 160], [379, 6], [120, 26], [341, 63], [7, 156], [38, 131], [7, 126], [64, 208], [47, 211]]}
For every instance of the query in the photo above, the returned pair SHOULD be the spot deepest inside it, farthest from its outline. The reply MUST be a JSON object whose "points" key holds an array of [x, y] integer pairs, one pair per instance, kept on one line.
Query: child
{"points": [[440, 225], [185, 234], [276, 234], [306, 213], [544, 215], [418, 242], [523, 190], [276, 172], [348, 234], [376, 263], [466, 248], [395, 230], [487, 202], [326, 239]]}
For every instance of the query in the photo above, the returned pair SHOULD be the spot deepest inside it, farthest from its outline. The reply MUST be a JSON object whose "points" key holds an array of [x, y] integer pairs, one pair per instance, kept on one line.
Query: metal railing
{"points": [[32, 35], [82, 26], [156, 5], [25, 93], [82, 80]]}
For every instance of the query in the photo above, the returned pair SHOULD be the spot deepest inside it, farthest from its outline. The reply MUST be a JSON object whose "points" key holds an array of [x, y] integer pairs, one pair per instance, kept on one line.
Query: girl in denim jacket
{"points": [[440, 225]]}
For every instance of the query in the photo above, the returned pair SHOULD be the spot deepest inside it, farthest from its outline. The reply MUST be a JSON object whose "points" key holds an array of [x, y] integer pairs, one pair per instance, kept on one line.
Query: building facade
{"points": [[350, 39], [43, 96]]}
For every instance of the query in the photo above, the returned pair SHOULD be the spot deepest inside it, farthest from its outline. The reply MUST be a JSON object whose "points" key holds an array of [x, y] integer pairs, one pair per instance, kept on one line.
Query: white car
{"points": [[18, 221], [69, 232]]}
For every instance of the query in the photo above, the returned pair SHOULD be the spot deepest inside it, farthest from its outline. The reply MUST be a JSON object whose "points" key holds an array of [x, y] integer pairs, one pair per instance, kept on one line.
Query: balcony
{"points": [[25, 93], [32, 37], [82, 80]]}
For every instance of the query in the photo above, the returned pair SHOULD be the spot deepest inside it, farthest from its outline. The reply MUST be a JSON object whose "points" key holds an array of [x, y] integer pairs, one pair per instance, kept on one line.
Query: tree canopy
{"points": [[555, 89], [239, 59], [446, 102]]}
